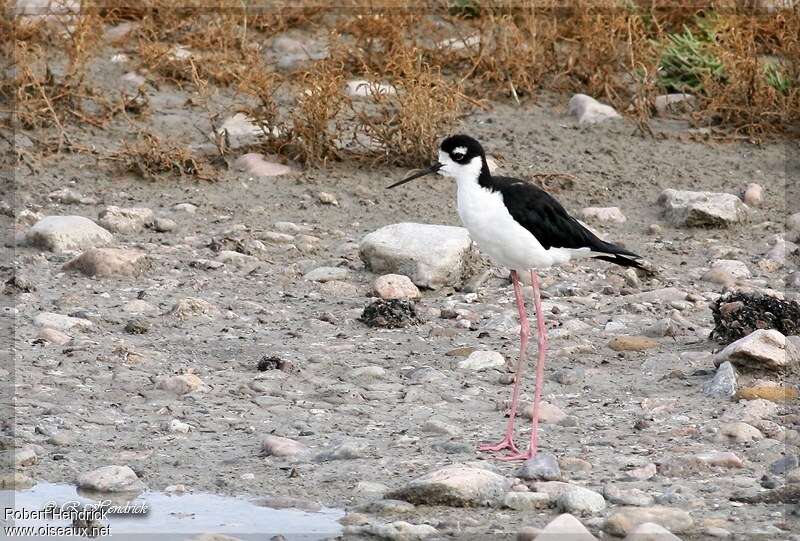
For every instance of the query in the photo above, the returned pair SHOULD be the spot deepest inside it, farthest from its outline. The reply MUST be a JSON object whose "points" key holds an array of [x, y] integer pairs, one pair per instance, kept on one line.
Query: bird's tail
{"points": [[622, 261]]}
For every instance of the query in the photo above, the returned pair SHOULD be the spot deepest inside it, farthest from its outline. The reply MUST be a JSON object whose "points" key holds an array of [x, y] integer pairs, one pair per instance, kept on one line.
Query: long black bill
{"points": [[432, 169]]}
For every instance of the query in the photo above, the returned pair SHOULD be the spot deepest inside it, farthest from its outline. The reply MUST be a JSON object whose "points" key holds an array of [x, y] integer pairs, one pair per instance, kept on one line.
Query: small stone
{"points": [[702, 209], [482, 360], [761, 349], [256, 165], [68, 196], [237, 259], [111, 479], [15, 481], [164, 225], [395, 286], [565, 527], [723, 385], [753, 195], [327, 198], [137, 326], [667, 104], [63, 233], [181, 384], [283, 447], [125, 220], [109, 262], [727, 272], [179, 427], [327, 274], [720, 459], [608, 215], [433, 256], [188, 208], [343, 451], [20, 457], [784, 464], [543, 466], [649, 531], [526, 501], [632, 343], [590, 111], [632, 496], [138, 306], [60, 322], [626, 519], [455, 485], [370, 489], [642, 473], [54, 337], [240, 130], [548, 413], [394, 531], [192, 307], [740, 432], [581, 501]]}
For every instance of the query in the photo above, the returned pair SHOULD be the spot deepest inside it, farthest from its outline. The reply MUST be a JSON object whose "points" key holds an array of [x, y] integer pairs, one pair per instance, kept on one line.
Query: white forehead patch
{"points": [[460, 151]]}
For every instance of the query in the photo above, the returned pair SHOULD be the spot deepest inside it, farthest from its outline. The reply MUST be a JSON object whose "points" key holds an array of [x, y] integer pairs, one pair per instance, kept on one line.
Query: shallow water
{"points": [[168, 517]]}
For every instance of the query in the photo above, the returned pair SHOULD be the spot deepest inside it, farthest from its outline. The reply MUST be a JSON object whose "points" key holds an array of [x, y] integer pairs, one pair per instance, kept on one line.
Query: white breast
{"points": [[498, 235]]}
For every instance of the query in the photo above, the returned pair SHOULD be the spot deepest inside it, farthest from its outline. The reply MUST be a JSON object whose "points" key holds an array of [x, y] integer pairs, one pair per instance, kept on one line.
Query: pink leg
{"points": [[537, 396], [524, 333]]}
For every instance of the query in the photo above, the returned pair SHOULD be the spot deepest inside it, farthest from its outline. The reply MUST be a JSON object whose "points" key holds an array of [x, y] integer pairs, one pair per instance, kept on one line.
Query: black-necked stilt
{"points": [[522, 227]]}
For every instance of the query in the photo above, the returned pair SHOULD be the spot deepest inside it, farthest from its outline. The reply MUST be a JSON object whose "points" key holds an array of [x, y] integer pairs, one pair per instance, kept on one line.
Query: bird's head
{"points": [[460, 156]]}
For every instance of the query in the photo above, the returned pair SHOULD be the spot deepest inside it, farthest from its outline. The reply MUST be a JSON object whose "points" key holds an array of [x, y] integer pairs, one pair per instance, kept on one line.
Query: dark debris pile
{"points": [[738, 314], [390, 314]]}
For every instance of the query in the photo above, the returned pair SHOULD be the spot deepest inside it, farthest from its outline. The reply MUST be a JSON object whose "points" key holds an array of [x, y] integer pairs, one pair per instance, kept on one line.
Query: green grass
{"points": [[687, 61]]}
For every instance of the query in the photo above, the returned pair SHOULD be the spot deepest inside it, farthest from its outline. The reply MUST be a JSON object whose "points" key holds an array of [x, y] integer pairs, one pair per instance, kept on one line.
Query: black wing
{"points": [[540, 213]]}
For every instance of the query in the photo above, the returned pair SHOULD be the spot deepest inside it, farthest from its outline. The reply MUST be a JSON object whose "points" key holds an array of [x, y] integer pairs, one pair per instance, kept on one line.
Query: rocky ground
{"points": [[213, 341]]}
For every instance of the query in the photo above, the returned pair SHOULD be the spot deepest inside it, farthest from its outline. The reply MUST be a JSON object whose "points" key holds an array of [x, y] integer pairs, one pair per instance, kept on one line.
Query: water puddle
{"points": [[168, 517]]}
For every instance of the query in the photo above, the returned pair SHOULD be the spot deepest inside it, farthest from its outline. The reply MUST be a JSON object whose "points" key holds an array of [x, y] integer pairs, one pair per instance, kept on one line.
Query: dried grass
{"points": [[151, 156]]}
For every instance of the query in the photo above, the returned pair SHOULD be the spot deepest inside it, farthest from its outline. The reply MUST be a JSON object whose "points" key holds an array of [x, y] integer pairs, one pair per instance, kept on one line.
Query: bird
{"points": [[522, 227]]}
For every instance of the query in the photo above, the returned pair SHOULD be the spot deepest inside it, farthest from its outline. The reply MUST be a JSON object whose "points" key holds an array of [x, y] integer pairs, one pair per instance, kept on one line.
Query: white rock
{"points": [[727, 272], [111, 479], [590, 111], [761, 349], [179, 427], [283, 447], [454, 485], [106, 262], [241, 130], [612, 215], [626, 519], [54, 337], [431, 255], [395, 286], [327, 274], [394, 531], [565, 528], [702, 209], [181, 384], [62, 233], [363, 88], [753, 195], [125, 220], [581, 501], [482, 360], [256, 165], [188, 208], [649, 531], [740, 432], [60, 322]]}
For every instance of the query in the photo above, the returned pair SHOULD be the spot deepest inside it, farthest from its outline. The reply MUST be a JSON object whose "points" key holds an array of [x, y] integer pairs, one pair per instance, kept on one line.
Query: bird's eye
{"points": [[458, 155]]}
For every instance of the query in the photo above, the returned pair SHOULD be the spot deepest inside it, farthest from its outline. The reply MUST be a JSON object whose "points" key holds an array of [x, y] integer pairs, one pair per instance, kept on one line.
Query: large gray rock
{"points": [[761, 349], [106, 262], [111, 479], [62, 233], [431, 255], [455, 485], [701, 209]]}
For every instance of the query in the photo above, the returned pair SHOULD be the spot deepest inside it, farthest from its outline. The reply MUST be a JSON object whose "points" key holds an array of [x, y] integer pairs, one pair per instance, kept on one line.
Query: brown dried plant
{"points": [[151, 156]]}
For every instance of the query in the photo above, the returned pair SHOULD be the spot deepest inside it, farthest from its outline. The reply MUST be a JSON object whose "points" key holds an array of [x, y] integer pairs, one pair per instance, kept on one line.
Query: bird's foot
{"points": [[505, 443], [527, 455]]}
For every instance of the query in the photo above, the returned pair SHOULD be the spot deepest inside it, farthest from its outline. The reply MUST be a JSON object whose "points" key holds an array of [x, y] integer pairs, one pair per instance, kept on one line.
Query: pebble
{"points": [[727, 272], [241, 130], [608, 215], [21, 457], [343, 451], [565, 527], [723, 385], [590, 111], [164, 225], [433, 256], [455, 485], [630, 496], [125, 220], [54, 336], [543, 466], [642, 473], [68, 196], [761, 349], [237, 259], [283, 447], [526, 501], [370, 489], [784, 464], [740, 432], [394, 531], [188, 208], [626, 519], [179, 427], [110, 262], [395, 286], [180, 384], [581, 501], [64, 233], [327, 274], [482, 360], [60, 322], [111, 479], [138, 306], [649, 531], [753, 195], [701, 209], [632, 343], [327, 198], [255, 165]]}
